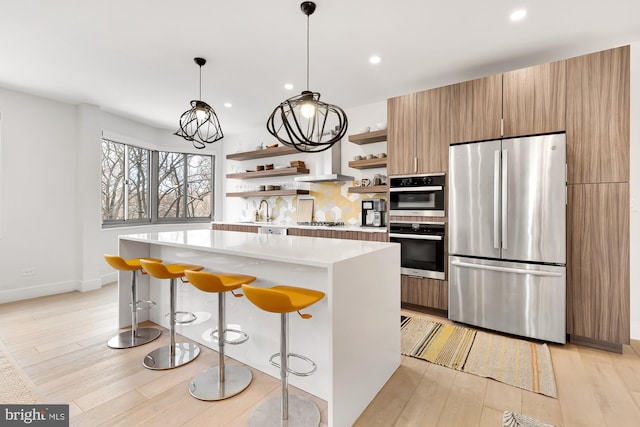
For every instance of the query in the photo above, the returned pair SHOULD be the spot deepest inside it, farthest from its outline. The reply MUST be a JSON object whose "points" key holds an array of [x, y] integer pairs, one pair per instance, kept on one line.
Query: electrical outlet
{"points": [[29, 271]]}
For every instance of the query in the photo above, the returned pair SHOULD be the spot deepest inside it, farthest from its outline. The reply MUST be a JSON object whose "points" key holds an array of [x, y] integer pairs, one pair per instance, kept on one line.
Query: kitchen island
{"points": [[354, 335]]}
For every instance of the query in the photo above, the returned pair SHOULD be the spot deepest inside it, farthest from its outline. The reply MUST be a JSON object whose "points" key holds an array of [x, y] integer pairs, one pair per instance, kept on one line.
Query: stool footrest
{"points": [[243, 336], [188, 317], [297, 356], [147, 305]]}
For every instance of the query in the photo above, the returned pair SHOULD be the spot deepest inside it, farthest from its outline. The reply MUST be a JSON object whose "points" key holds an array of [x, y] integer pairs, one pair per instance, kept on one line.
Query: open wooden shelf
{"points": [[260, 154], [369, 137], [269, 173], [374, 189], [368, 163], [268, 193]]}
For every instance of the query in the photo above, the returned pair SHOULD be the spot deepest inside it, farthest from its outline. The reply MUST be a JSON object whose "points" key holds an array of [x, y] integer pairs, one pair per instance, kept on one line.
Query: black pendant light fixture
{"points": [[303, 121], [200, 124]]}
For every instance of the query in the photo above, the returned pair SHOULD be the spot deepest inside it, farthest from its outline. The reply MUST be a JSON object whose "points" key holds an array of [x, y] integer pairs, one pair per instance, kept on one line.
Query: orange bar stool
{"points": [[285, 410], [174, 354], [225, 381], [136, 336]]}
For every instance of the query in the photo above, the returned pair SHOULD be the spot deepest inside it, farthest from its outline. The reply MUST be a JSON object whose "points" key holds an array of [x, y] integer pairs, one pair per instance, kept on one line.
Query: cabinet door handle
{"points": [[415, 165]]}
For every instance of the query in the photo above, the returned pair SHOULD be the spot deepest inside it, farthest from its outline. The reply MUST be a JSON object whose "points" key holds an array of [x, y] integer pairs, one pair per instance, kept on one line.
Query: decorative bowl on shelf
{"points": [[381, 125], [365, 129]]}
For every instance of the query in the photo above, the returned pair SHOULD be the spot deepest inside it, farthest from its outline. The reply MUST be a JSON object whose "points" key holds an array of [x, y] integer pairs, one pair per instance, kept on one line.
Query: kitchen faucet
{"points": [[260, 208]]}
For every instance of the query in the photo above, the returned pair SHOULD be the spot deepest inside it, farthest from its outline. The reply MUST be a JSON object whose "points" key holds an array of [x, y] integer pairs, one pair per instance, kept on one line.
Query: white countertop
{"points": [[313, 251], [308, 227]]}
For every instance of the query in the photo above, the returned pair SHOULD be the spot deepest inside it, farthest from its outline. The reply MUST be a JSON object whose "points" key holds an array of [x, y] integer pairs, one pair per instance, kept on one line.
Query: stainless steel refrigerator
{"points": [[507, 235]]}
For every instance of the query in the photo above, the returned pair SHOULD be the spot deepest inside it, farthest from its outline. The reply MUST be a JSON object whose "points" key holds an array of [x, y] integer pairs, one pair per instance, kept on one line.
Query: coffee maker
{"points": [[373, 213]]}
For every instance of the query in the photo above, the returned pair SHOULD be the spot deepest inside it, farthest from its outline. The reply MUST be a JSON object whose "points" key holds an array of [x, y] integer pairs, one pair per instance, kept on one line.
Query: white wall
{"points": [[51, 224], [39, 231]]}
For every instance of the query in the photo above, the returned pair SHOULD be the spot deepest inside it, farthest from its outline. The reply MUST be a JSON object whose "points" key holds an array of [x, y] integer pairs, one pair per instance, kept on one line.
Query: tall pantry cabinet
{"points": [[598, 287]]}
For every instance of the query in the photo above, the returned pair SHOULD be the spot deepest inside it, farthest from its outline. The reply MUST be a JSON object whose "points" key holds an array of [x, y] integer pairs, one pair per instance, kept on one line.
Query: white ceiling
{"points": [[135, 57]]}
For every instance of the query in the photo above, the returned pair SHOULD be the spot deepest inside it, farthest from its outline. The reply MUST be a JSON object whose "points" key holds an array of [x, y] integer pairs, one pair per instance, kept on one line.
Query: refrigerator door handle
{"points": [[505, 173], [496, 199], [506, 269]]}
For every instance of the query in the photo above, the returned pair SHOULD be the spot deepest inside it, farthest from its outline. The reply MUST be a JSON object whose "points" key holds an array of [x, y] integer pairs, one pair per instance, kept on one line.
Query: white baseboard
{"points": [[10, 295], [109, 278]]}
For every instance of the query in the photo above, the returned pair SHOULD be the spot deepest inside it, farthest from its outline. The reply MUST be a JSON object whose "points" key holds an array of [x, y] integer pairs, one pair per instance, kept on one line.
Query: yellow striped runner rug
{"points": [[434, 342], [511, 361]]}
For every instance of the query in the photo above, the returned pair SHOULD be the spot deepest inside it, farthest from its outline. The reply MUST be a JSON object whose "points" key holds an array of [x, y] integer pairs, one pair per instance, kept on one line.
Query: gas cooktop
{"points": [[323, 223]]}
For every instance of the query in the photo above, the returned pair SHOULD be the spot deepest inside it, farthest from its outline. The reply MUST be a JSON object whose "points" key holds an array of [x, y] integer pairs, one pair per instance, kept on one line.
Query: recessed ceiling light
{"points": [[518, 14], [375, 59], [288, 86], [228, 104]]}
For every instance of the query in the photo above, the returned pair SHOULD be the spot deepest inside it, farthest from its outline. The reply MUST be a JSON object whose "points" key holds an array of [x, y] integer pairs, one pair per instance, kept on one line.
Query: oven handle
{"points": [[415, 236], [506, 269], [415, 189]]}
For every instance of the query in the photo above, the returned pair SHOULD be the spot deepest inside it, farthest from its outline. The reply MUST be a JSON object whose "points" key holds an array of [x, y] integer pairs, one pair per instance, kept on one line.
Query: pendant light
{"points": [[200, 124], [303, 121]]}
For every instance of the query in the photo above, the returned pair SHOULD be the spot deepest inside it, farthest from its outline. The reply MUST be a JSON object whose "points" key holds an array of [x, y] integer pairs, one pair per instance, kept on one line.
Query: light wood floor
{"points": [[60, 343]]}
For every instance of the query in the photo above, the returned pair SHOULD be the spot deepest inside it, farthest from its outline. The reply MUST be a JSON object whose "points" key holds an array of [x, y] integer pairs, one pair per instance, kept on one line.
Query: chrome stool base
{"points": [[302, 413], [161, 358], [127, 339], [207, 385]]}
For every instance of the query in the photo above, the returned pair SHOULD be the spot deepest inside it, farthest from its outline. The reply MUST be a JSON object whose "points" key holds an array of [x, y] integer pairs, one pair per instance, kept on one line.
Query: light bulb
{"points": [[201, 115], [308, 110]]}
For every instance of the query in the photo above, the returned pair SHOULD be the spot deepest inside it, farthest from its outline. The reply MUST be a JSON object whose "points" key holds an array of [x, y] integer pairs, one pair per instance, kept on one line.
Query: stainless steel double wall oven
{"points": [[422, 243]]}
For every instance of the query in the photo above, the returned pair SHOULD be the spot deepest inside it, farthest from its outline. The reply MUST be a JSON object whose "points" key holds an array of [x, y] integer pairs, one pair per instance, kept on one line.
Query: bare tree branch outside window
{"points": [[183, 186]]}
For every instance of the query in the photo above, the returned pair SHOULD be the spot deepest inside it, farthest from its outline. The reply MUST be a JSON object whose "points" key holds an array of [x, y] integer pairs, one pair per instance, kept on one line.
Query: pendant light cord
{"points": [[307, 52], [200, 96]]}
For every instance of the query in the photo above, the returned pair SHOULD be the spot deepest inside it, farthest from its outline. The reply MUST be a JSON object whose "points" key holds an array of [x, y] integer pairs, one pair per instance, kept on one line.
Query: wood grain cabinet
{"points": [[236, 227], [534, 100], [476, 109], [598, 117], [429, 293], [434, 130], [401, 134], [598, 263], [419, 132]]}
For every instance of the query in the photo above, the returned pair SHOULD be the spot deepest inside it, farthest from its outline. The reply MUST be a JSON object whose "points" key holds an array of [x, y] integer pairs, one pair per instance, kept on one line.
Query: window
{"points": [[184, 186], [132, 177]]}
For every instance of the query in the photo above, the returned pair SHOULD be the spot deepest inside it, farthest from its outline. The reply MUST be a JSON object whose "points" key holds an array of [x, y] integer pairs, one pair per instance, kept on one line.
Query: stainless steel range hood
{"points": [[333, 177], [327, 167]]}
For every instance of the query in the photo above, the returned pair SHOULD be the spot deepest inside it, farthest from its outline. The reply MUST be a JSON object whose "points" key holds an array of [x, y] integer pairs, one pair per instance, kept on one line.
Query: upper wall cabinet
{"points": [[476, 109], [598, 117], [434, 130], [419, 132], [401, 134], [534, 100]]}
